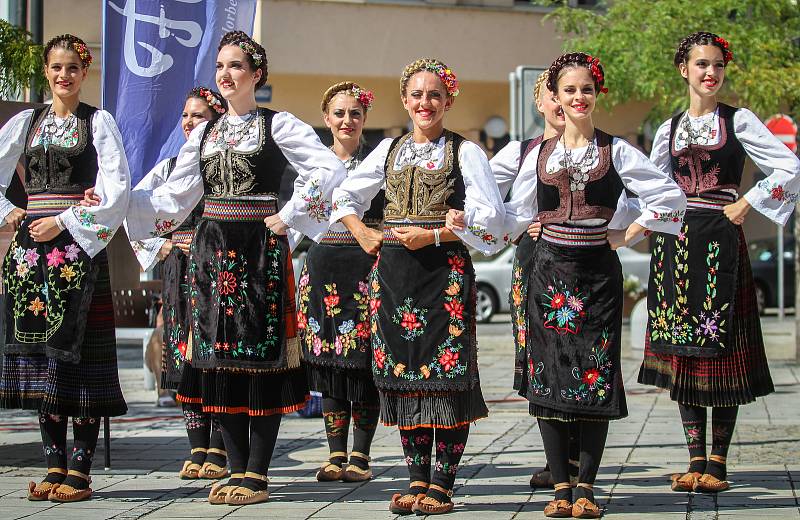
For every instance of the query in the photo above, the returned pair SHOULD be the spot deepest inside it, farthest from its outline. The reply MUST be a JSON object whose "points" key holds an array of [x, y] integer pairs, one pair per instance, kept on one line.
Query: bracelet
{"points": [[436, 237], [59, 223]]}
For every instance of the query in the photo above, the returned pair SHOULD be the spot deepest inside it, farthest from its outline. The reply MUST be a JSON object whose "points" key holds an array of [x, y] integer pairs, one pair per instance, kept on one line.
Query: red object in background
{"points": [[783, 127]]}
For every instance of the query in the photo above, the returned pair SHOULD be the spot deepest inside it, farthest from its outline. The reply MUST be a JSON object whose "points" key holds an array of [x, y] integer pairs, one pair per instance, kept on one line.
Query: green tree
{"points": [[20, 60], [636, 42]]}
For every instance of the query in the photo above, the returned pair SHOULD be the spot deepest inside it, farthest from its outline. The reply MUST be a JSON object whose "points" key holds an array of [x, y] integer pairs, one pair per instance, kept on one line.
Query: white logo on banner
{"points": [[191, 35]]}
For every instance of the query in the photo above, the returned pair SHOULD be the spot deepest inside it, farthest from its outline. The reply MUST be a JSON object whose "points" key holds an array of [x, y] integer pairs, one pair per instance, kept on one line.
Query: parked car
{"points": [[493, 278], [764, 260]]}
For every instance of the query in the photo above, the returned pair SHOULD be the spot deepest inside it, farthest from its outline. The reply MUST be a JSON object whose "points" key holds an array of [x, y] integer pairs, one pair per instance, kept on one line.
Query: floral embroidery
{"points": [[453, 448], [86, 218], [163, 226], [36, 306], [776, 191], [516, 298], [316, 205], [411, 319], [344, 200], [672, 216], [417, 442], [447, 361], [594, 381], [693, 433], [483, 234], [104, 234], [534, 372], [564, 309]]}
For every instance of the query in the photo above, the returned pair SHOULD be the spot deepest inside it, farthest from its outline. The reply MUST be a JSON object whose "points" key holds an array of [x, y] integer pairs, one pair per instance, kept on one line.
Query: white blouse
{"points": [[483, 206], [318, 169], [775, 196], [661, 203], [146, 250], [91, 227]]}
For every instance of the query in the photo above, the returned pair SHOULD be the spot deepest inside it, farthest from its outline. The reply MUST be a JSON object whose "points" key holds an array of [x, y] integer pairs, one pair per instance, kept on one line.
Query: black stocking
{"points": [[592, 441], [263, 436], [54, 443], [216, 447], [694, 420], [236, 434], [85, 430], [417, 447], [555, 437], [365, 421], [723, 421], [574, 449], [450, 444], [336, 413], [198, 427]]}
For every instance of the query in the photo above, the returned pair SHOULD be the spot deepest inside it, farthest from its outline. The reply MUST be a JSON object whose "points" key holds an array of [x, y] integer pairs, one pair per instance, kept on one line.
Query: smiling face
{"points": [[345, 117], [426, 101], [65, 72], [236, 79], [576, 93], [195, 111], [551, 110], [704, 70]]}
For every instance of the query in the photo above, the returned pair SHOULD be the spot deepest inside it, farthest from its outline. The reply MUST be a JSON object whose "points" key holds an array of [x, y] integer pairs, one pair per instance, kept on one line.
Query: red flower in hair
{"points": [[727, 55]]}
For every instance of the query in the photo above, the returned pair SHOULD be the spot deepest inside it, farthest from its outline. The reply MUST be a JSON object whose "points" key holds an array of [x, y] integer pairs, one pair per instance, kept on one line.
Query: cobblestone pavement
{"points": [[149, 445]]}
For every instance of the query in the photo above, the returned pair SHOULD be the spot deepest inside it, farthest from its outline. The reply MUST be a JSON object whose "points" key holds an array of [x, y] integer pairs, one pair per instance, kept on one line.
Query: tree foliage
{"points": [[20, 60], [636, 42]]}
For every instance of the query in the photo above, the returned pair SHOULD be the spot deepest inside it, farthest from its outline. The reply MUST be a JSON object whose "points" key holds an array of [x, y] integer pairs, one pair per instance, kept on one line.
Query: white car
{"points": [[493, 278]]}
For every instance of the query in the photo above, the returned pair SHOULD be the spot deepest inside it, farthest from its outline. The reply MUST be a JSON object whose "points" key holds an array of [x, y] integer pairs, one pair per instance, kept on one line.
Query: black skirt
{"points": [[242, 293], [422, 308], [333, 318], [61, 352], [176, 312], [518, 301], [574, 328]]}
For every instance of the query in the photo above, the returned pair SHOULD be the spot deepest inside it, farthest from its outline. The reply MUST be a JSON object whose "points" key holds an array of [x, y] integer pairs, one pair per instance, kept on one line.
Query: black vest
{"points": [[699, 168], [59, 169], [420, 194], [557, 203], [229, 173]]}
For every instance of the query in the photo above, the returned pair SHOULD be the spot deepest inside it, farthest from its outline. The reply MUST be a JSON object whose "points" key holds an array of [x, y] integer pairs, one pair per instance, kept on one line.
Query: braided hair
{"points": [[435, 66], [702, 38], [541, 81], [71, 43], [256, 55], [363, 96], [216, 103], [573, 60]]}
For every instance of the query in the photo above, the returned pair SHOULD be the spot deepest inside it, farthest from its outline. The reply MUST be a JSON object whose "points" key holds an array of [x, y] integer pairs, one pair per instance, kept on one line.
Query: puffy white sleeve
{"points": [[504, 167], [660, 153], [354, 195], [483, 206], [158, 210], [522, 207], [12, 144], [92, 227], [319, 171], [664, 204], [146, 250], [775, 197]]}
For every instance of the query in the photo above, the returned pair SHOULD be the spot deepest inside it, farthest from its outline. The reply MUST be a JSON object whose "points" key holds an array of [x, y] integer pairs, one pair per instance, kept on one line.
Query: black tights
{"points": [[337, 414], [592, 441], [205, 437], [85, 430], [418, 446], [250, 442], [695, 425]]}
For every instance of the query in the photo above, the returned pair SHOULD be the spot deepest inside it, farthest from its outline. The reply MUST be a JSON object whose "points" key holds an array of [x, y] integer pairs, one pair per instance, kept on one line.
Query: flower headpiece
{"points": [[250, 49], [727, 54], [365, 97], [597, 72], [447, 76], [213, 101], [83, 53]]}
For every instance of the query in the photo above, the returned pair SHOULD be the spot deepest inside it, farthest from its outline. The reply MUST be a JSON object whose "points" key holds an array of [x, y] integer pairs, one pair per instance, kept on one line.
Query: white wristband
{"points": [[436, 237], [59, 223]]}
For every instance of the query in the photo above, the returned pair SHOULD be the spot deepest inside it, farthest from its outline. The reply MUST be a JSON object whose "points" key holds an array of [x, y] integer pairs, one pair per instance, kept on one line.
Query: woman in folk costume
{"points": [[573, 184], [208, 457], [704, 341], [240, 273], [422, 289], [60, 355], [333, 309]]}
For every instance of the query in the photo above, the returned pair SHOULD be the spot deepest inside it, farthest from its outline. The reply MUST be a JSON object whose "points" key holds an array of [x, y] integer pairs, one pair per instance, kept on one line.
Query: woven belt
{"points": [[389, 238], [339, 238], [46, 204], [239, 209], [711, 200], [182, 236], [575, 236]]}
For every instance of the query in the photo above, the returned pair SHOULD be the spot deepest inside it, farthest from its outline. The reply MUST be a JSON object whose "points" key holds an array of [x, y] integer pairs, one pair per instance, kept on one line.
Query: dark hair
{"points": [[702, 38], [71, 43], [216, 103], [573, 60], [256, 55]]}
